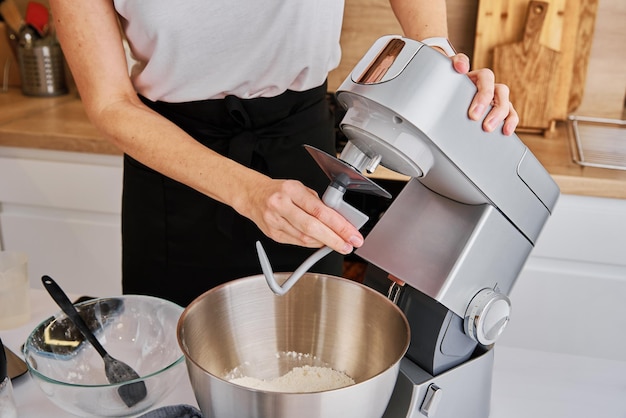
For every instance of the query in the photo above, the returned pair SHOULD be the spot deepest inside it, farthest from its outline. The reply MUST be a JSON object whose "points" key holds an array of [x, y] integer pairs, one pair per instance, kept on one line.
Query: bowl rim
{"points": [[282, 276], [60, 314]]}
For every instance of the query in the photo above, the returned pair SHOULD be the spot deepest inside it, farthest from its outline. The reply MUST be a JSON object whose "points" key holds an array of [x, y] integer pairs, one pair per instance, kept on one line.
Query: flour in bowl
{"points": [[299, 379]]}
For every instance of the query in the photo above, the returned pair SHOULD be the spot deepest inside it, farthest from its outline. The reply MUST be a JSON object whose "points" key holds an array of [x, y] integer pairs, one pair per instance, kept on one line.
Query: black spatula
{"points": [[116, 371]]}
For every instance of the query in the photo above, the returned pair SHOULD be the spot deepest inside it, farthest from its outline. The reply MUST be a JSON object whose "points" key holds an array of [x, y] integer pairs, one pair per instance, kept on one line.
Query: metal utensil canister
{"points": [[42, 66]]}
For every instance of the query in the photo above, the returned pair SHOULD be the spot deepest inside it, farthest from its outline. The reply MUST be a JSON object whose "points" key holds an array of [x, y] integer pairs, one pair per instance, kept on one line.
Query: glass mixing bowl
{"points": [[138, 330]]}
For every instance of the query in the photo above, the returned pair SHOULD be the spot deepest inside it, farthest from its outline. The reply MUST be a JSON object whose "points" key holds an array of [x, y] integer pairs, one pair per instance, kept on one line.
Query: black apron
{"points": [[176, 242]]}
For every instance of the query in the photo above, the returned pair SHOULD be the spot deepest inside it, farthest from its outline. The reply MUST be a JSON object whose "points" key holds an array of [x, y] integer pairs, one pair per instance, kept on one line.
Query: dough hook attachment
{"points": [[343, 177]]}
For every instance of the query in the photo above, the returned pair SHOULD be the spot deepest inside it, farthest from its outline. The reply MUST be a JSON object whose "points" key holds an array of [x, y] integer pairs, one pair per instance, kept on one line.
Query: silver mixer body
{"points": [[457, 236]]}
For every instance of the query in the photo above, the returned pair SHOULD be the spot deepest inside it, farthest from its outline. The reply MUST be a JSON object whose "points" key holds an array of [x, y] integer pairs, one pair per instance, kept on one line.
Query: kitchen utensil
{"points": [[343, 178], [28, 36], [115, 370], [242, 329], [42, 68], [530, 70], [272, 282], [37, 16], [13, 22], [11, 15], [15, 365], [568, 28], [8, 58], [137, 328], [40, 58], [582, 50]]}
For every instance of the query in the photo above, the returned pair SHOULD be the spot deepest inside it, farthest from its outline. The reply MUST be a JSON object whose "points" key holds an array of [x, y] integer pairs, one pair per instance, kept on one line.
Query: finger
{"points": [[280, 219], [461, 63], [328, 226], [484, 80], [298, 216], [286, 233], [511, 122], [501, 110]]}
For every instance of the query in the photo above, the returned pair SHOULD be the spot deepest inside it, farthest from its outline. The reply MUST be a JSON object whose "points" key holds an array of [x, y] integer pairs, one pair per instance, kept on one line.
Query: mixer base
{"points": [[463, 391]]}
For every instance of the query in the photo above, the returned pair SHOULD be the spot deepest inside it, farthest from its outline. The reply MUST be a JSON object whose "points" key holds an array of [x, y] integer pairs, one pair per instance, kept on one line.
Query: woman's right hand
{"points": [[291, 213]]}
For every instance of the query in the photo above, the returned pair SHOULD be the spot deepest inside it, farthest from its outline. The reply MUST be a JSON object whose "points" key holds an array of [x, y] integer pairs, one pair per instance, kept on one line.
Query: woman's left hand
{"points": [[489, 94]]}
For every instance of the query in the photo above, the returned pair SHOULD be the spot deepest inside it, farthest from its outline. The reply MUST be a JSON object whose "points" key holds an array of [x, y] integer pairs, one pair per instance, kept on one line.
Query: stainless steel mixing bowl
{"points": [[243, 329]]}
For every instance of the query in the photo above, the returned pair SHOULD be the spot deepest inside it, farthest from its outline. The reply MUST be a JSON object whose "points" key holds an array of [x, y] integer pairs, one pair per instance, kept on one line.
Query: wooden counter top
{"points": [[60, 123], [14, 105], [55, 123], [556, 156]]}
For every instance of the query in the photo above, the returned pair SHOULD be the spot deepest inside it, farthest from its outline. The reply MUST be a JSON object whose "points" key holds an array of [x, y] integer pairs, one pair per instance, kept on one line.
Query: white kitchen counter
{"points": [[527, 383], [539, 384]]}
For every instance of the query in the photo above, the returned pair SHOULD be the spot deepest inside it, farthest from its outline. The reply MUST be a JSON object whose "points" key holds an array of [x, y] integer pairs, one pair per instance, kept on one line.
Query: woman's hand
{"points": [[489, 93], [291, 213]]}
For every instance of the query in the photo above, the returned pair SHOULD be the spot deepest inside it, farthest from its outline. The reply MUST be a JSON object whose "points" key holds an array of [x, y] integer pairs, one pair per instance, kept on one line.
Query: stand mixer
{"points": [[455, 239]]}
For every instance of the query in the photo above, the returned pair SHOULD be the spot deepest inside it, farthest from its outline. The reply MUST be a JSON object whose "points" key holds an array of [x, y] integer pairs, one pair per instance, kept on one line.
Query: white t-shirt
{"points": [[205, 49]]}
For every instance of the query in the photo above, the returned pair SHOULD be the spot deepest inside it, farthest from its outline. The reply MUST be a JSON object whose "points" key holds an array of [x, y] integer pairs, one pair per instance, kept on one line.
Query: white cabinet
{"points": [[571, 295], [63, 210]]}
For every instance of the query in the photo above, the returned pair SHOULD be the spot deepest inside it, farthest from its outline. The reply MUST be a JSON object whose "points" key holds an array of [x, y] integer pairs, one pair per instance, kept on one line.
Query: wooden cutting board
{"points": [[530, 70], [8, 60], [587, 15], [568, 28]]}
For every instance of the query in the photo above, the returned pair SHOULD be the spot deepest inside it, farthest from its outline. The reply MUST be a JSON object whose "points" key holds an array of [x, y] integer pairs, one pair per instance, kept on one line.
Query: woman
{"points": [[212, 122]]}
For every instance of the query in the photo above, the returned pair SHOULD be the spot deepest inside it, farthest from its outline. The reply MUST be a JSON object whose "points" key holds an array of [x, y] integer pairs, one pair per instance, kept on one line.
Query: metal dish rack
{"points": [[598, 142]]}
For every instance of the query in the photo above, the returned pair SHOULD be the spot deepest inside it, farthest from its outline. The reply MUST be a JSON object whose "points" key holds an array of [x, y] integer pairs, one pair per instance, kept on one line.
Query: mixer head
{"points": [[464, 225]]}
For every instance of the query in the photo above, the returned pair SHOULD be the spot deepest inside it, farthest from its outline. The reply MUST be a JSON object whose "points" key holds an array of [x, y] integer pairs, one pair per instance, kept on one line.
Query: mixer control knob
{"points": [[486, 316]]}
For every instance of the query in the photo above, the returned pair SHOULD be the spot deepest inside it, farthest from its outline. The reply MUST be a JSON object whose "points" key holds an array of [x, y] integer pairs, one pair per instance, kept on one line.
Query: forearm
{"points": [[421, 19], [164, 147], [92, 45]]}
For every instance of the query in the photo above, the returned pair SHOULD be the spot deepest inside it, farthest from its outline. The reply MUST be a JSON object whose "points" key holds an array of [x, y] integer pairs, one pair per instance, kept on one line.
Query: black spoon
{"points": [[116, 371]]}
